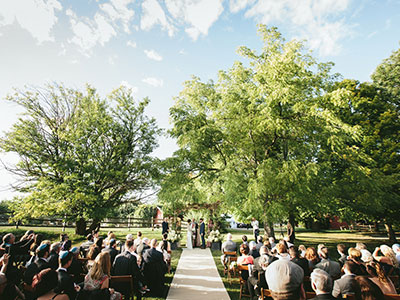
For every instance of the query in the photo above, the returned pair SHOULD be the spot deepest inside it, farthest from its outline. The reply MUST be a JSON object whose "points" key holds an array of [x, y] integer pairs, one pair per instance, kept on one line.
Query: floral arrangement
{"points": [[173, 236], [214, 236]]}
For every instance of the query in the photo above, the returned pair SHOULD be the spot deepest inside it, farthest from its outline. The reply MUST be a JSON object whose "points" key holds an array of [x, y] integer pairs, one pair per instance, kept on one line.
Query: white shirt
{"points": [[255, 224]]}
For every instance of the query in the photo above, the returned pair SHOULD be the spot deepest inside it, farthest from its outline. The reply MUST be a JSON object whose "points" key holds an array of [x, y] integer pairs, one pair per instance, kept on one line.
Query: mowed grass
{"points": [[310, 239], [53, 234]]}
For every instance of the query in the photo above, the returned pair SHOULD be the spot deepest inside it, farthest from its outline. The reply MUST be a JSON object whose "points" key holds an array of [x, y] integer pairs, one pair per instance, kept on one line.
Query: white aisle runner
{"points": [[197, 277]]}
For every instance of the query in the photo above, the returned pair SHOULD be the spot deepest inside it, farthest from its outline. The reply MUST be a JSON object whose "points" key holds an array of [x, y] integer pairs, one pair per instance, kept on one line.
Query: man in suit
{"points": [[66, 283], [126, 264], [165, 227], [347, 283], [228, 246], [258, 272], [321, 283], [341, 249], [331, 267], [154, 268], [202, 233], [54, 255], [42, 253], [84, 248], [143, 247], [111, 249]]}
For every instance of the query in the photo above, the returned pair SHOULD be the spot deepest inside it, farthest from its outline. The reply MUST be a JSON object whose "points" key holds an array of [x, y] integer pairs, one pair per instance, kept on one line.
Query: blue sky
{"points": [[153, 46]]}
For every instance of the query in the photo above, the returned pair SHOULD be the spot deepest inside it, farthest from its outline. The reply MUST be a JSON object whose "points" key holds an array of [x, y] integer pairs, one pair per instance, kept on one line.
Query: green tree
{"points": [[252, 139], [80, 155]]}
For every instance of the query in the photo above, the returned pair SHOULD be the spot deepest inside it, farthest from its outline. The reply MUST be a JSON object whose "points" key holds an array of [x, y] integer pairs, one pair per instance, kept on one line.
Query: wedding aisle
{"points": [[197, 277]]}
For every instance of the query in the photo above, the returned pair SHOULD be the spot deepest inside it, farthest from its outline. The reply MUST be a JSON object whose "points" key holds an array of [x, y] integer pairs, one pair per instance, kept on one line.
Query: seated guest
{"points": [[379, 277], [302, 250], [162, 247], [53, 256], [367, 290], [245, 258], [165, 240], [98, 277], [281, 251], [253, 249], [66, 283], [138, 240], [298, 260], [129, 237], [126, 264], [143, 247], [244, 239], [14, 249], [328, 265], [111, 249], [8, 290], [110, 236], [44, 284], [37, 242], [341, 249], [321, 283], [84, 248], [388, 260], [154, 268], [347, 283], [312, 257], [396, 250], [256, 280], [66, 245], [42, 253], [285, 280], [355, 256], [94, 250], [76, 268], [272, 242], [259, 242], [228, 246]]}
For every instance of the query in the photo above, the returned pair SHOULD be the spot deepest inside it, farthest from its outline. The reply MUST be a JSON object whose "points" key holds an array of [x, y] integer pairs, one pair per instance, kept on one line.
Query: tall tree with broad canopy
{"points": [[252, 139], [80, 155]]}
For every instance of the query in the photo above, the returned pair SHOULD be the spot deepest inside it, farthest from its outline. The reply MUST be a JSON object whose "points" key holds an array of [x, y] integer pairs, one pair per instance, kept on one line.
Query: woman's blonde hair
{"points": [[389, 253], [354, 253], [101, 267]]}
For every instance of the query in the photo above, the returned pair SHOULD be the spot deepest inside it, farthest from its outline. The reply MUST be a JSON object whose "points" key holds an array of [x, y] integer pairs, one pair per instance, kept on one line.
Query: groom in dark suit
{"points": [[202, 233]]}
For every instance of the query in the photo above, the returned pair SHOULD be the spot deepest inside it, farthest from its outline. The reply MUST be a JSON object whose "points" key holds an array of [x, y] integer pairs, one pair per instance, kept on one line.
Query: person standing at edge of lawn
{"points": [[256, 228]]}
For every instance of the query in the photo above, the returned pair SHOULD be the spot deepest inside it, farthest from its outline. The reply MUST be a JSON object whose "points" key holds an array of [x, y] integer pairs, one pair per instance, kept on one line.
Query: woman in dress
{"points": [[189, 235], [379, 277], [98, 277]]}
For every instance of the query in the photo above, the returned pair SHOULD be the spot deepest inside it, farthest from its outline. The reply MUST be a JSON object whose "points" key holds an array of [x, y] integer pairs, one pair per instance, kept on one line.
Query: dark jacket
{"points": [[65, 284], [323, 297], [33, 269], [126, 264], [165, 227], [113, 253], [345, 285], [202, 228], [53, 260], [154, 269], [303, 263]]}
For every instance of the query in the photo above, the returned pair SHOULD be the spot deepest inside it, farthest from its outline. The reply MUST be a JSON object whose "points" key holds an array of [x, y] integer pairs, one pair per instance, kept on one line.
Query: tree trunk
{"points": [[269, 229], [390, 232], [291, 228], [94, 226], [80, 227]]}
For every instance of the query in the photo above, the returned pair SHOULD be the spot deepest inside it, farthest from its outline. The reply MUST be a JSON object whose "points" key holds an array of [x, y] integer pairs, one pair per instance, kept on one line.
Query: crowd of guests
{"points": [[288, 270], [34, 268]]}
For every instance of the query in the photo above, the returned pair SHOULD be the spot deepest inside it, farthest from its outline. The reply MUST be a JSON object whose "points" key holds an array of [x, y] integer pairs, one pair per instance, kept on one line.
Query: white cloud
{"points": [[131, 44], [106, 23], [112, 59], [88, 33], [315, 20], [118, 11], [134, 89], [36, 16], [198, 15], [182, 52], [153, 55], [237, 5], [156, 82], [153, 14]]}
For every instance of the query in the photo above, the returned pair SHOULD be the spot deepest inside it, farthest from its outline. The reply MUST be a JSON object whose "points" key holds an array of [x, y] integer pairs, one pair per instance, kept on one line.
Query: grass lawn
{"points": [[53, 234], [309, 239]]}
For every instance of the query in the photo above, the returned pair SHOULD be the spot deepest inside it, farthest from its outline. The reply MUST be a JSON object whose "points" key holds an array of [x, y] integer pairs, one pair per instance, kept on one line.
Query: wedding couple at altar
{"points": [[196, 234]]}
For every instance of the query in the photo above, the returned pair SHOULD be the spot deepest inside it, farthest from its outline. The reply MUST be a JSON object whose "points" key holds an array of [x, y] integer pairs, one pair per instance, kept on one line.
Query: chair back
{"points": [[230, 253]]}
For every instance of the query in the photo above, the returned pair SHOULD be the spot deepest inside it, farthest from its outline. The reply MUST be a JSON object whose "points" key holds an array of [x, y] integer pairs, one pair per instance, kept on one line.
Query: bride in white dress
{"points": [[189, 235]]}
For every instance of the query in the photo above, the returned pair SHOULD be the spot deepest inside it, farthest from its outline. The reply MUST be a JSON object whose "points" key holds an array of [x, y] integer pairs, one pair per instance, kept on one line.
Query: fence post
{"points": [[152, 224]]}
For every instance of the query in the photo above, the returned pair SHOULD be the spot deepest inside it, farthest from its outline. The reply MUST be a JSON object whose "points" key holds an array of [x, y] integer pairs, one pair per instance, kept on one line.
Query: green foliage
{"points": [[145, 211], [80, 155], [250, 142]]}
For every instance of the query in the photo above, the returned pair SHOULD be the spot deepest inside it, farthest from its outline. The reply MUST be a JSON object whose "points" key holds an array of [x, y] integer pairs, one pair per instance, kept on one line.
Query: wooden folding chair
{"points": [[243, 282], [265, 293], [228, 255], [349, 296], [392, 297], [123, 279], [310, 295]]}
